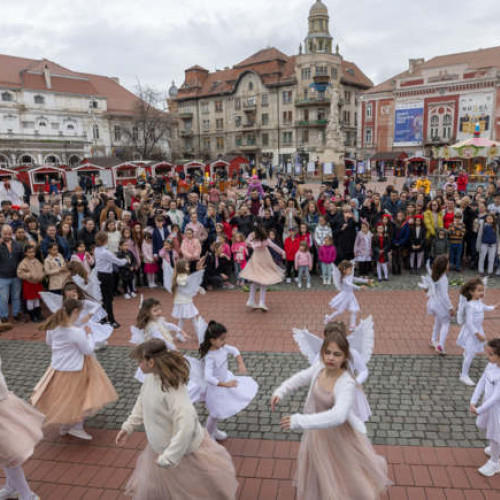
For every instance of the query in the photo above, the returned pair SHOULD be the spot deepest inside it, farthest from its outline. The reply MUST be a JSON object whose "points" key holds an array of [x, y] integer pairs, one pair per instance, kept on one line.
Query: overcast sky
{"points": [[155, 40]]}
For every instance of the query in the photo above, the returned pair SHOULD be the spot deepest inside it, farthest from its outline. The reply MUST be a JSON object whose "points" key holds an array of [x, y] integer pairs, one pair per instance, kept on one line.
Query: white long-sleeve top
{"points": [[442, 293], [3, 385], [104, 260], [160, 329], [69, 347], [343, 394], [216, 365], [169, 418], [489, 384], [348, 283], [179, 297], [474, 316]]}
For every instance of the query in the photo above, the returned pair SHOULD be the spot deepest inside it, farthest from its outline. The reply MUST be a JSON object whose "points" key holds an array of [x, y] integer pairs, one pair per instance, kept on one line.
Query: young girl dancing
{"points": [[344, 280], [489, 412], [20, 432], [471, 315], [226, 395], [260, 269], [439, 304], [336, 459], [75, 386], [180, 460]]}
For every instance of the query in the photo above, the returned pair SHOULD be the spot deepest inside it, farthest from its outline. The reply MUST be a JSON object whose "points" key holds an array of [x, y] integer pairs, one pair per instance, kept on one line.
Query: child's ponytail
{"points": [[214, 331], [60, 317]]}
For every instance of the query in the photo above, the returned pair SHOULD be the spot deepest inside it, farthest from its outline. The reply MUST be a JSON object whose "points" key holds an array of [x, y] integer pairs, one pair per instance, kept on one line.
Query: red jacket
{"points": [[292, 247], [462, 182]]}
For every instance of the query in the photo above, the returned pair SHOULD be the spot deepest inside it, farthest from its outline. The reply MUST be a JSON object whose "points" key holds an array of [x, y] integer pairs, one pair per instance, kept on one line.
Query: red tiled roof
{"points": [[477, 59], [18, 72], [263, 56], [352, 75]]}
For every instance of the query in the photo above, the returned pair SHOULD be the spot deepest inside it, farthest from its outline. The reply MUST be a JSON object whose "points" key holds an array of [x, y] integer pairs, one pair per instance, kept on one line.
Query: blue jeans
{"points": [[304, 271], [456, 255], [10, 287]]}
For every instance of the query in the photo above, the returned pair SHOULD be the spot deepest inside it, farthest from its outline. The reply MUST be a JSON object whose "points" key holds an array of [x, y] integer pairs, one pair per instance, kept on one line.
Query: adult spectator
{"points": [[243, 221], [11, 254], [176, 216], [392, 205], [344, 235], [46, 219], [449, 213], [87, 233], [80, 212], [110, 207], [53, 237]]}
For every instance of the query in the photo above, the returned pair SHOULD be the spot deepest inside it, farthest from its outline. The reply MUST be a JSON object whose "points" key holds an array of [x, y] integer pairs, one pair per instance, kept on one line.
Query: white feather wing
{"points": [[193, 285], [308, 343], [200, 326], [462, 302], [197, 385], [168, 274], [52, 301], [363, 338], [337, 277], [137, 336]]}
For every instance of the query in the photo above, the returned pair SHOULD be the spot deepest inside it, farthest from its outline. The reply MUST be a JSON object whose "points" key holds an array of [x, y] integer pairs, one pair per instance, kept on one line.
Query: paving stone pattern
{"points": [[415, 400]]}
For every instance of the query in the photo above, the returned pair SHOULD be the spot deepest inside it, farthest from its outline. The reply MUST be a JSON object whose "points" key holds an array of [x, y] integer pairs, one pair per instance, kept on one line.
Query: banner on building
{"points": [[473, 109], [408, 123]]}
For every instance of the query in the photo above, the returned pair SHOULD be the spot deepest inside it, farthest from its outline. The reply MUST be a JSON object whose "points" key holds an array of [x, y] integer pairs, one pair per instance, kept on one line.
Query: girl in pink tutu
{"points": [[261, 270], [336, 460], [75, 386], [150, 264], [180, 462], [488, 414], [20, 432]]}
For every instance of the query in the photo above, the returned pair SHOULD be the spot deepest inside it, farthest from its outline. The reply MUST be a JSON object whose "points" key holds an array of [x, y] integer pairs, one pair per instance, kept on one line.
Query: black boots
{"points": [[36, 315]]}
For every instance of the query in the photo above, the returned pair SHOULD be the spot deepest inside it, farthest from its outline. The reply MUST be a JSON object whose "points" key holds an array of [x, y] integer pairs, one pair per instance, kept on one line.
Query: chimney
{"points": [[413, 63], [115, 79], [195, 76], [46, 74]]}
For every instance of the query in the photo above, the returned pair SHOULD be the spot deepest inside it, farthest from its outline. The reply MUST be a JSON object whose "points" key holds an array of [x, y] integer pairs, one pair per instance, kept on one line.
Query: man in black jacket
{"points": [[87, 233], [344, 234]]}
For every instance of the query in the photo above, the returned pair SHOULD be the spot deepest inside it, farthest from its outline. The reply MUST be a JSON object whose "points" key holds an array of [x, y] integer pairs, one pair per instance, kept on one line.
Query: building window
{"points": [[306, 73], [206, 124], [368, 137], [347, 117], [238, 140], [237, 121], [287, 97], [7, 97], [305, 136], [250, 86], [39, 99], [265, 119], [369, 110], [118, 133], [447, 125], [219, 123], [334, 73], [265, 100], [219, 142], [321, 114], [251, 141], [70, 127], [321, 71], [265, 139], [205, 108], [306, 93], [434, 129], [218, 106], [135, 134], [42, 123], [28, 124], [287, 117], [287, 137], [347, 96], [95, 131], [206, 142], [54, 126], [237, 103], [93, 104]]}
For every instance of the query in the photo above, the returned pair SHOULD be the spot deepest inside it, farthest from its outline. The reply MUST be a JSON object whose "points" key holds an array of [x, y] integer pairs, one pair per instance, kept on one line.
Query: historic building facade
{"points": [[431, 105], [271, 106], [52, 115]]}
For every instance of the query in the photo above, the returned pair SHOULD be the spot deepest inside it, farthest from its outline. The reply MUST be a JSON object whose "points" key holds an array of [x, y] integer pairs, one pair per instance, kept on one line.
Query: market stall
{"points": [[40, 178], [74, 175]]}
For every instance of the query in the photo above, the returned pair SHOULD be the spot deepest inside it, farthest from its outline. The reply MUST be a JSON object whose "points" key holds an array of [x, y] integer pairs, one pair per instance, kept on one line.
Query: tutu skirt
{"points": [[344, 301], [489, 421], [69, 397], [469, 342], [207, 473], [262, 269], [20, 430], [225, 402], [31, 290], [151, 267], [184, 311]]}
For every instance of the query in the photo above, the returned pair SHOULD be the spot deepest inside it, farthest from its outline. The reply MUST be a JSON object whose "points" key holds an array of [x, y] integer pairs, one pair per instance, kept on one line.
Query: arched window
{"points": [[70, 127], [250, 85], [447, 126], [434, 126], [7, 97], [39, 99], [95, 131], [27, 160]]}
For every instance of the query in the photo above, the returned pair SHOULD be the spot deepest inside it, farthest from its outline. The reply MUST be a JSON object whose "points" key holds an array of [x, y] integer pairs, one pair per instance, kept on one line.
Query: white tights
{"points": [[352, 322], [495, 450], [468, 357], [32, 304], [16, 481], [382, 266], [180, 324], [211, 426], [151, 279], [253, 291], [441, 327]]}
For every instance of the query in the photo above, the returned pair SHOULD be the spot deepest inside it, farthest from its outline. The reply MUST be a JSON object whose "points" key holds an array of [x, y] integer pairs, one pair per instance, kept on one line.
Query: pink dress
{"points": [[150, 266], [337, 463], [261, 268]]}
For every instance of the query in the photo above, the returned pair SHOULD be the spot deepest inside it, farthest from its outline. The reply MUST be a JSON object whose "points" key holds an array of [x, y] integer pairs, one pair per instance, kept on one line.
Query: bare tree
{"points": [[151, 126]]}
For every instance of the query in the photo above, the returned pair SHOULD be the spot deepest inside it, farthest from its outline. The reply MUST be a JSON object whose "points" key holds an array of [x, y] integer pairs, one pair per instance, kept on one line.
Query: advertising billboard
{"points": [[408, 123], [473, 109]]}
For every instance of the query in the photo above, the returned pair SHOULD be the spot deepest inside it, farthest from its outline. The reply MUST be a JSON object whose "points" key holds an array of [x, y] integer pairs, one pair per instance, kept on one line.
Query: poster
{"points": [[288, 168], [408, 123], [475, 108], [327, 168], [311, 167]]}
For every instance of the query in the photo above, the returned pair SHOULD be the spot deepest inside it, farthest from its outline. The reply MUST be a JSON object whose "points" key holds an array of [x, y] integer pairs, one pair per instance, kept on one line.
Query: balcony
{"points": [[186, 133], [316, 101], [250, 106], [311, 123], [439, 141], [249, 145], [186, 115], [251, 125]]}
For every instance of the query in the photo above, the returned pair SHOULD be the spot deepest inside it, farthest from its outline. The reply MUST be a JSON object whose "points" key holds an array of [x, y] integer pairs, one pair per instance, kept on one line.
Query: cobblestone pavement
{"points": [[415, 400]]}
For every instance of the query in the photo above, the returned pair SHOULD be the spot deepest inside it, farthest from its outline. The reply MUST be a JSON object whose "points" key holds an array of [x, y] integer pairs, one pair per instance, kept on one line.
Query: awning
{"points": [[389, 156], [420, 159]]}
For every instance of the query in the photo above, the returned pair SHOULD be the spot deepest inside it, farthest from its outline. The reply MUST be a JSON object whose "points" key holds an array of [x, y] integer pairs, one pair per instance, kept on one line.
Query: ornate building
{"points": [[270, 105]]}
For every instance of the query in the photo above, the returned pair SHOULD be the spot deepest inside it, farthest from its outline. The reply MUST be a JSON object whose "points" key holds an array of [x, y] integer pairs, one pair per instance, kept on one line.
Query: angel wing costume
{"points": [[12, 191], [361, 343]]}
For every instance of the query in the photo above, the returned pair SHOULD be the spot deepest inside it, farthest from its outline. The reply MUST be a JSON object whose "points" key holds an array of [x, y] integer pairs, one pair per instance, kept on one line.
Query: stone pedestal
{"points": [[334, 148]]}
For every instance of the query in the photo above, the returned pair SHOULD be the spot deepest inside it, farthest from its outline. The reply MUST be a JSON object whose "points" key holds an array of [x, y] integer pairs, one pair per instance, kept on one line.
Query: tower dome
{"points": [[318, 9], [318, 39], [173, 91]]}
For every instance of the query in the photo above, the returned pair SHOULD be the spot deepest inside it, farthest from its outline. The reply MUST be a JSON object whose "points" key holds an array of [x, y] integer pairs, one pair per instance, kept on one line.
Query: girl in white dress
{"points": [[345, 300], [471, 315], [489, 412], [439, 304], [336, 460], [180, 461], [20, 432], [226, 395]]}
